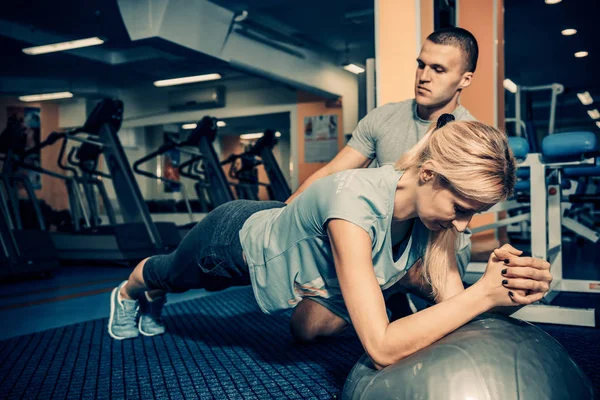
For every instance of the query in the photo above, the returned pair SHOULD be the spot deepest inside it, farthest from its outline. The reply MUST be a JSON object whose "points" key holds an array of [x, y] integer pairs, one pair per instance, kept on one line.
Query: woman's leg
{"points": [[135, 286], [311, 320], [133, 312]]}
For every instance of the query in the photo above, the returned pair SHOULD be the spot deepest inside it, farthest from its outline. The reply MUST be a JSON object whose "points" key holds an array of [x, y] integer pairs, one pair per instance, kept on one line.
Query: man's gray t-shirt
{"points": [[389, 131]]}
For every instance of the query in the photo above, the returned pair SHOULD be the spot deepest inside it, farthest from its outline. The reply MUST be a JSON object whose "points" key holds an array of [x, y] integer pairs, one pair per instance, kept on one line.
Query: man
{"points": [[445, 67]]}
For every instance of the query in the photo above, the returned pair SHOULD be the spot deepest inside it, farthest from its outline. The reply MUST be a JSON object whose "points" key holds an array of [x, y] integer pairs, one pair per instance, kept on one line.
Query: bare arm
{"points": [[348, 158], [535, 283], [384, 342]]}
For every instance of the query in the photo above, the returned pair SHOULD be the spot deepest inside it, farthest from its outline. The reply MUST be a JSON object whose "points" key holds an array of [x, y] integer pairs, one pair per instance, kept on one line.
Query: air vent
{"points": [[197, 99]]}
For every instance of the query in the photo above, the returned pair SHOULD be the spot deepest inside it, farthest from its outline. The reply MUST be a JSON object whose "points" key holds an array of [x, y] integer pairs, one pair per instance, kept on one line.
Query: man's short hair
{"points": [[461, 38]]}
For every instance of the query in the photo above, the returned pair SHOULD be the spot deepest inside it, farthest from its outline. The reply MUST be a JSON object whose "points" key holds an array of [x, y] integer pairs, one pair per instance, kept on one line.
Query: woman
{"points": [[348, 240]]}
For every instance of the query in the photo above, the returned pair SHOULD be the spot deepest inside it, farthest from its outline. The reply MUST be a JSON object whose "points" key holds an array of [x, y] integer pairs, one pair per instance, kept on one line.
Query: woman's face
{"points": [[440, 208]]}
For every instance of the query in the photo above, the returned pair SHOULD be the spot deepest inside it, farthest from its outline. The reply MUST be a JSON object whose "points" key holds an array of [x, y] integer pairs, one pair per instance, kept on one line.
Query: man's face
{"points": [[440, 74]]}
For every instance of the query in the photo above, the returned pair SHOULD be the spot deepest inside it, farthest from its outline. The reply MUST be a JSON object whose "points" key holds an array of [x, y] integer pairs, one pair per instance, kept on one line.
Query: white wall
{"points": [[133, 153], [72, 113]]}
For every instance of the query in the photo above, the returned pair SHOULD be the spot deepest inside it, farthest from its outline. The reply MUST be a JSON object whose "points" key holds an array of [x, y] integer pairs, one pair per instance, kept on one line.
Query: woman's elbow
{"points": [[383, 356], [380, 358]]}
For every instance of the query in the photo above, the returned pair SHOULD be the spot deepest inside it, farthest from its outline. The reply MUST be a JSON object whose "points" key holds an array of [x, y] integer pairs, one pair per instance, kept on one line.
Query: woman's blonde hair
{"points": [[474, 161]]}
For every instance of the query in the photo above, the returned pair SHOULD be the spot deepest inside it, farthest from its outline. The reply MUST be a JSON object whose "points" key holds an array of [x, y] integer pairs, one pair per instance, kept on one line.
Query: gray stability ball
{"points": [[492, 357]]}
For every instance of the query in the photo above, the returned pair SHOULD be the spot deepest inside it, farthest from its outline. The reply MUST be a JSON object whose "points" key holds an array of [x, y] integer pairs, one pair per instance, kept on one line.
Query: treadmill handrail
{"points": [[161, 150], [82, 166], [59, 160], [73, 136], [192, 171]]}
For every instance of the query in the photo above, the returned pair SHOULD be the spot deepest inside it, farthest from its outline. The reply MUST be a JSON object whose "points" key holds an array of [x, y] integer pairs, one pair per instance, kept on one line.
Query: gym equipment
{"points": [[244, 169], [526, 128], [138, 236], [212, 187], [85, 158], [582, 210], [22, 251], [12, 136], [558, 151], [492, 357], [204, 135], [278, 187], [247, 175]]}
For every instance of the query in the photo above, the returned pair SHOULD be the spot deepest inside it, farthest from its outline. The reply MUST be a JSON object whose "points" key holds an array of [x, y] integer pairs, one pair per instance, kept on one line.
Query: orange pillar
{"points": [[400, 28], [485, 97]]}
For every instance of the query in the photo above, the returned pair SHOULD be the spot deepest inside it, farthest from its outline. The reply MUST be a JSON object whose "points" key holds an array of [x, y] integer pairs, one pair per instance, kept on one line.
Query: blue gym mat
{"points": [[218, 347]]}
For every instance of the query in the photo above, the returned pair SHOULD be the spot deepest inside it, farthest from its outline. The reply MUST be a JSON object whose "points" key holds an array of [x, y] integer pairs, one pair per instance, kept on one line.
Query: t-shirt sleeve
{"points": [[363, 137], [343, 198], [362, 220]]}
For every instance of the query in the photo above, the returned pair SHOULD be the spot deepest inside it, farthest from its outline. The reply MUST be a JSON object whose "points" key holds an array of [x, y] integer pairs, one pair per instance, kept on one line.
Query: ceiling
{"points": [[537, 54], [138, 63], [345, 27], [535, 51]]}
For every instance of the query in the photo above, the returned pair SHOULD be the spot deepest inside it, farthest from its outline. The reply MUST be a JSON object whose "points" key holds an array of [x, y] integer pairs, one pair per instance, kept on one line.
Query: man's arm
{"points": [[348, 158]]}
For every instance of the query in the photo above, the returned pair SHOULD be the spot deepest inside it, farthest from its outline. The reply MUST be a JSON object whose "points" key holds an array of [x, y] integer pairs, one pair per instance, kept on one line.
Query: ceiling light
{"points": [[251, 136], [594, 114], [73, 44], [187, 79], [553, 1], [189, 126], [355, 69], [221, 124], [46, 96], [258, 135], [585, 98], [510, 86], [241, 16], [568, 32], [581, 54]]}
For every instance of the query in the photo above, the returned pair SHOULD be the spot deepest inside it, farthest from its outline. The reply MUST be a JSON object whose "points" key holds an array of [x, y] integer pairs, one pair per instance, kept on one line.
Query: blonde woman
{"points": [[347, 241]]}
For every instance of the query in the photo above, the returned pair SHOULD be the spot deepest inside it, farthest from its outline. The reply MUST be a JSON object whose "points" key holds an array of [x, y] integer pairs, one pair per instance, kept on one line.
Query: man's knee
{"points": [[311, 320]]}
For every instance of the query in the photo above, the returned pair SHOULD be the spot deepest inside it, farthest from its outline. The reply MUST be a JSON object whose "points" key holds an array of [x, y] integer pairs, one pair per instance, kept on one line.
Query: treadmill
{"points": [[137, 236], [23, 251], [203, 166], [211, 185], [246, 173], [218, 188], [278, 188]]}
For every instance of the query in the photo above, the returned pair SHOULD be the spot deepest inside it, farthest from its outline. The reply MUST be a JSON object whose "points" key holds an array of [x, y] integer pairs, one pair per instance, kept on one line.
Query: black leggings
{"points": [[210, 255]]}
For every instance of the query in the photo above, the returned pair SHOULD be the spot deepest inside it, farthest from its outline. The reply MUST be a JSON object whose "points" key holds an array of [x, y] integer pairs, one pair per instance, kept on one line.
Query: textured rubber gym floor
{"points": [[220, 346]]}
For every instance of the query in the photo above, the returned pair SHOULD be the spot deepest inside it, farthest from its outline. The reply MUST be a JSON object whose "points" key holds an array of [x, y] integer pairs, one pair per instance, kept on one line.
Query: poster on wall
{"points": [[31, 132], [320, 138], [170, 169]]}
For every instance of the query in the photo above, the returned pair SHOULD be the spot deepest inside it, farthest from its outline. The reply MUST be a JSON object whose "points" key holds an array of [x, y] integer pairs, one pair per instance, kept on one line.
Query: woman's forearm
{"points": [[417, 331]]}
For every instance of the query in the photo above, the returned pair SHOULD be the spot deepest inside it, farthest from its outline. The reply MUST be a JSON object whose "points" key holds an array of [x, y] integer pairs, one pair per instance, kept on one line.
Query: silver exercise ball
{"points": [[493, 358]]}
